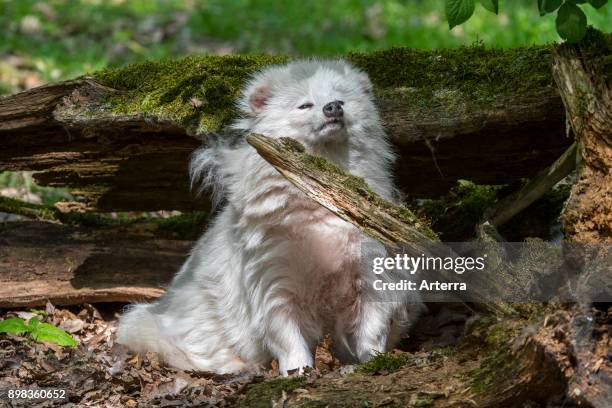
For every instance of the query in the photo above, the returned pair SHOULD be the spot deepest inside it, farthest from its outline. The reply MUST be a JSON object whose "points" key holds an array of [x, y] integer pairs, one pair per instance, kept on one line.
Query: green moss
{"points": [[199, 92], [313, 404], [497, 366], [185, 226], [322, 164], [424, 399], [474, 68], [456, 215], [358, 185], [50, 213], [18, 207], [383, 362], [262, 394], [495, 337], [292, 144], [460, 78], [447, 351], [476, 329]]}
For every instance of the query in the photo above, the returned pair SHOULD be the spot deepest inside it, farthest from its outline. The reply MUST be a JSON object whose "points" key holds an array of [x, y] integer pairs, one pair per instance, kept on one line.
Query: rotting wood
{"points": [[583, 78], [42, 261]]}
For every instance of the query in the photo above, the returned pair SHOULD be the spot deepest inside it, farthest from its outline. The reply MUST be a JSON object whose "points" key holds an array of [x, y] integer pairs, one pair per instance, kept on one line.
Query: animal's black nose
{"points": [[333, 109]]}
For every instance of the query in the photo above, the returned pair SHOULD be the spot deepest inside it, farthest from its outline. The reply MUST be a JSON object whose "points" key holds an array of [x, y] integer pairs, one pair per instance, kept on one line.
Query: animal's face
{"points": [[314, 102]]}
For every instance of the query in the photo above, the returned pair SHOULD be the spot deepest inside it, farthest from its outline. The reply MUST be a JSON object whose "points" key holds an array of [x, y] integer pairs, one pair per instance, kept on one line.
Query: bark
{"points": [[584, 83], [114, 162], [563, 355], [74, 135], [511, 140], [75, 265]]}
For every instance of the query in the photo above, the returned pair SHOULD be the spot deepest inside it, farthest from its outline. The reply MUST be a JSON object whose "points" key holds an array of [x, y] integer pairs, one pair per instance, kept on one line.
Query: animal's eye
{"points": [[341, 102], [306, 105]]}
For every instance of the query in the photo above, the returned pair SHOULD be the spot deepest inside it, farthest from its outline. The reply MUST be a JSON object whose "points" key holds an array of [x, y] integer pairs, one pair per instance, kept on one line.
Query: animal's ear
{"points": [[258, 98], [365, 83]]}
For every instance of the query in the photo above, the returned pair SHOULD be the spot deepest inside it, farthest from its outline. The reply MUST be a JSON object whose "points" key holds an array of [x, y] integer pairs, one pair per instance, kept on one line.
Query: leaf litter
{"points": [[101, 373]]}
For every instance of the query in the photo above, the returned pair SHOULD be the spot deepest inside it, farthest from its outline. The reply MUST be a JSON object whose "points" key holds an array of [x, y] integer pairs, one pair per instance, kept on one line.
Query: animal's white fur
{"points": [[275, 271]]}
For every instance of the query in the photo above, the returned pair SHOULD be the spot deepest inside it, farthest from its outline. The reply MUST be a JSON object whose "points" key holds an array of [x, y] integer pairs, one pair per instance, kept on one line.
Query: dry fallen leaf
{"points": [[324, 360]]}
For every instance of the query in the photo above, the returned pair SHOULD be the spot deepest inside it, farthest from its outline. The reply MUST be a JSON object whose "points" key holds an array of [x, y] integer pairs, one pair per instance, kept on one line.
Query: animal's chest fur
{"points": [[321, 252]]}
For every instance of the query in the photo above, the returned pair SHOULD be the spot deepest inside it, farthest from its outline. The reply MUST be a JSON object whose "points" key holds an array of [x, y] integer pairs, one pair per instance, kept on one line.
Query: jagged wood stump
{"points": [[584, 80]]}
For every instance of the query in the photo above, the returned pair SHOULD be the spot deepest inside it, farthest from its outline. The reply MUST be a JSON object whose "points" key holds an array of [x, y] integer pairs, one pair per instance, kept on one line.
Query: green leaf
{"points": [[459, 11], [598, 3], [33, 323], [576, 1], [491, 5], [14, 325], [571, 22], [49, 333], [548, 6]]}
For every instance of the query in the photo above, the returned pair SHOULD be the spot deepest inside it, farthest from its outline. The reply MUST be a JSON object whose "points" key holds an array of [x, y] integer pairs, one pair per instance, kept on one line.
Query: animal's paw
{"points": [[295, 361], [367, 349]]}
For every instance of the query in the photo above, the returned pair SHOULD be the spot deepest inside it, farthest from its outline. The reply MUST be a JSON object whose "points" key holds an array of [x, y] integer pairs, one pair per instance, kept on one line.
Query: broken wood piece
{"points": [[533, 190]]}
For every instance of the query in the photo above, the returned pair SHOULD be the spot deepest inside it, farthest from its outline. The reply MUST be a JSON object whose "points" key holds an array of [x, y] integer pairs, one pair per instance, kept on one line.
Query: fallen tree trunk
{"points": [[347, 196], [42, 261], [122, 138], [351, 199]]}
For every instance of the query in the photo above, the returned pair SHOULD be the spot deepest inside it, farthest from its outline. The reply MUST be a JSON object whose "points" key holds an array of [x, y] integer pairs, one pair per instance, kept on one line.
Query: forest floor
{"points": [[427, 371]]}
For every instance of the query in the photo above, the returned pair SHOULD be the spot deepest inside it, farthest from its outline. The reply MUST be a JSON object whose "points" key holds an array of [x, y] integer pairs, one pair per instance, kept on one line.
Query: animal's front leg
{"points": [[285, 340], [372, 330]]}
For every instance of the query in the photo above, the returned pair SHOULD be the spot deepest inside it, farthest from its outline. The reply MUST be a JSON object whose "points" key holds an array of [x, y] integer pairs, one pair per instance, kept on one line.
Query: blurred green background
{"points": [[44, 41]]}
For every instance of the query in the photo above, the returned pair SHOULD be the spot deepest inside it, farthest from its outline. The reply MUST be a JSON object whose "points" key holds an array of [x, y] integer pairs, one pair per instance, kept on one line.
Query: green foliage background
{"points": [[43, 41]]}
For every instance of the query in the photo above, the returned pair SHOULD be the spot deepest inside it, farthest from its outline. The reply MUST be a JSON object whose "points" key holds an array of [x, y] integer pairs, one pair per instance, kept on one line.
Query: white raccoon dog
{"points": [[276, 271]]}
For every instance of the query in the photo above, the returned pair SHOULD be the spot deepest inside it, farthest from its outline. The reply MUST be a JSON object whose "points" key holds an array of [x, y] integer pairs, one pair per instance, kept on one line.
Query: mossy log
{"points": [[584, 78], [122, 137], [42, 261]]}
